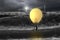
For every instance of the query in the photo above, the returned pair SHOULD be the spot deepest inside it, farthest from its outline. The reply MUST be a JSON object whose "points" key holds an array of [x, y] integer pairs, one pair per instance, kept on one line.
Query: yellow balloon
{"points": [[36, 15]]}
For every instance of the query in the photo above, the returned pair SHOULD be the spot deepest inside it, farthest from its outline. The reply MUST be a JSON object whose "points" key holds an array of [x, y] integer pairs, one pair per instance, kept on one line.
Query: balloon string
{"points": [[36, 27]]}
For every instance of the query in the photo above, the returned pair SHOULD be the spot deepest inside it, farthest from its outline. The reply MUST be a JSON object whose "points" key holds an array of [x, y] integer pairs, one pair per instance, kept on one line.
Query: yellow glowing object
{"points": [[36, 38], [36, 15]]}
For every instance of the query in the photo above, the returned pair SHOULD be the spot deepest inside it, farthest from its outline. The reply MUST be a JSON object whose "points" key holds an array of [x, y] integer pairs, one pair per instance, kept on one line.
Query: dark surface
{"points": [[29, 34]]}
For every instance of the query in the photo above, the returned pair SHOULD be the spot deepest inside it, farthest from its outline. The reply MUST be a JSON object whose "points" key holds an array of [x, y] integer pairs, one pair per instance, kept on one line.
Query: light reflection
{"points": [[36, 39], [26, 8]]}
